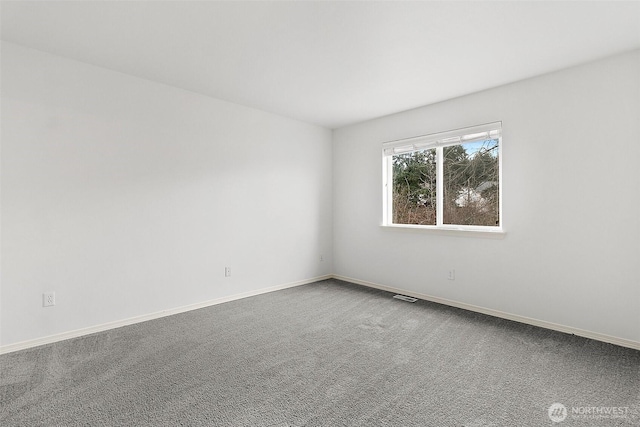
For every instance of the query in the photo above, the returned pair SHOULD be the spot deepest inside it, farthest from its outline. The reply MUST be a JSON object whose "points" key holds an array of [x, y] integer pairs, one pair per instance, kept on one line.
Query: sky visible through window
{"points": [[489, 145]]}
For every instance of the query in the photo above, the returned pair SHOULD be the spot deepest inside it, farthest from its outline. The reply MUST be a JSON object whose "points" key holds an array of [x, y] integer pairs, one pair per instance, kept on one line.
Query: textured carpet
{"points": [[324, 354]]}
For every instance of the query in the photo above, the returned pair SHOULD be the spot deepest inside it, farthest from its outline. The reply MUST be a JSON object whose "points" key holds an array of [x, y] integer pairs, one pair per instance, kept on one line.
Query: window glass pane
{"points": [[414, 188], [471, 184]]}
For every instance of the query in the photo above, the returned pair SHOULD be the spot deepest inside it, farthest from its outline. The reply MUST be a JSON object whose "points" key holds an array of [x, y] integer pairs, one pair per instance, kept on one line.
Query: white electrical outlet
{"points": [[227, 272], [48, 299], [452, 275]]}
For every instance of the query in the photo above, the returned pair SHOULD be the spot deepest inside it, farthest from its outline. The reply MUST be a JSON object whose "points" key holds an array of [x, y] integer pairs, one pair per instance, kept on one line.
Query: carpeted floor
{"points": [[324, 354]]}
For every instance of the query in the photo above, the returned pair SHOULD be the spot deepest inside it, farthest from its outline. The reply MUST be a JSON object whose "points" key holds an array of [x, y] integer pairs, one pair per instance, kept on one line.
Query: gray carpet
{"points": [[324, 354]]}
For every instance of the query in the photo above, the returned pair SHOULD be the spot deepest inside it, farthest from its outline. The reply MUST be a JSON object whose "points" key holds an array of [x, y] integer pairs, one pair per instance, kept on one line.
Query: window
{"points": [[449, 180]]}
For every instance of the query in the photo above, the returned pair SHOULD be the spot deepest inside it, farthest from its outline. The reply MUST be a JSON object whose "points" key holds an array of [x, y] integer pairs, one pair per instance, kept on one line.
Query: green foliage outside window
{"points": [[470, 183]]}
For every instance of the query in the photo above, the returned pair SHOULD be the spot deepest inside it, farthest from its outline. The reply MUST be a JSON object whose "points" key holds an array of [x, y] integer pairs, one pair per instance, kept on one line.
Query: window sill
{"points": [[460, 231]]}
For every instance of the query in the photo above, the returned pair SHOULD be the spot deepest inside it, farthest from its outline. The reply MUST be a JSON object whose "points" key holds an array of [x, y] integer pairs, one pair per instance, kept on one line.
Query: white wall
{"points": [[571, 153], [128, 197]]}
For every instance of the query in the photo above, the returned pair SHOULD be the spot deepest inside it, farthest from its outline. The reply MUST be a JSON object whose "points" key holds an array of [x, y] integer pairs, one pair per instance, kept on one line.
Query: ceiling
{"points": [[331, 63]]}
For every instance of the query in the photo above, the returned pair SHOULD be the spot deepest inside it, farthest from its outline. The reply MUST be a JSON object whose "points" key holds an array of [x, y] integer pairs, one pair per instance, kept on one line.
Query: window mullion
{"points": [[439, 185]]}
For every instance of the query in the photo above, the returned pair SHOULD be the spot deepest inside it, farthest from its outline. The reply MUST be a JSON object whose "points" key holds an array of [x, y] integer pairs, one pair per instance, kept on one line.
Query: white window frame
{"points": [[439, 141]]}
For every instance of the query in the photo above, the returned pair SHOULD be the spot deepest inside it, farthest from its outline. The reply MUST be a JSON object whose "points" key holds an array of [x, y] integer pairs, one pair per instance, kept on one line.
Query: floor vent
{"points": [[406, 298]]}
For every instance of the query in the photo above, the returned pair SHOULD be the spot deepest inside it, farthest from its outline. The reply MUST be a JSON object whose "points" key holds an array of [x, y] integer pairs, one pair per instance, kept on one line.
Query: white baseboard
{"points": [[137, 319], [623, 342], [496, 313]]}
